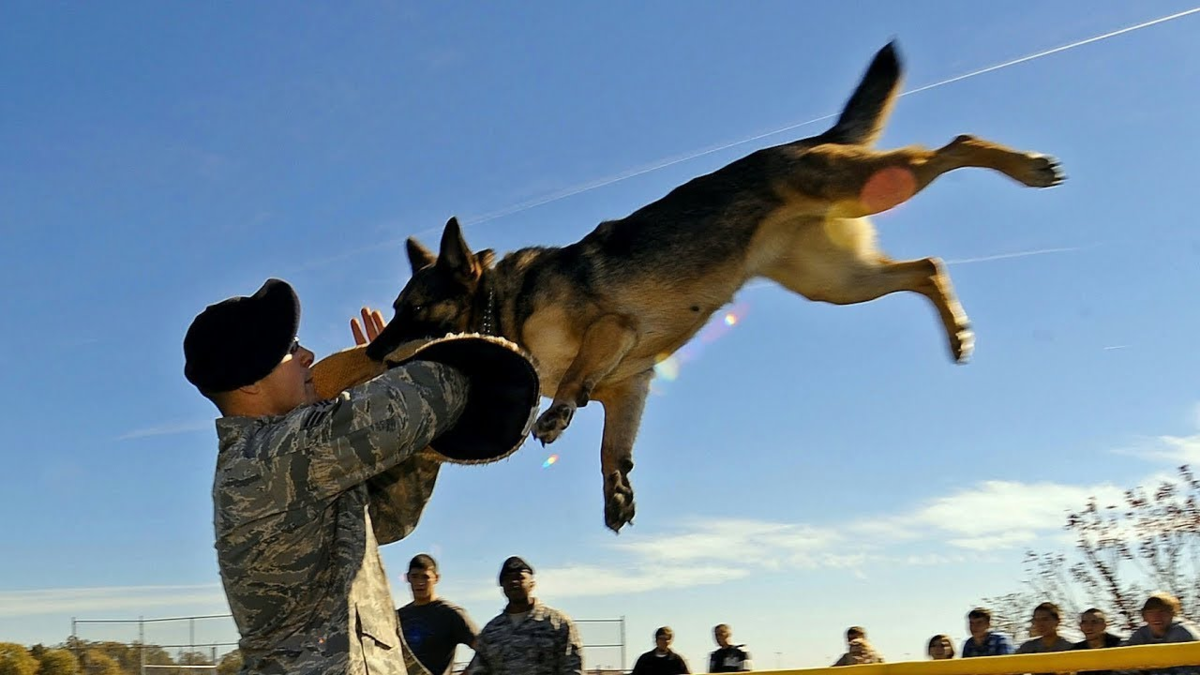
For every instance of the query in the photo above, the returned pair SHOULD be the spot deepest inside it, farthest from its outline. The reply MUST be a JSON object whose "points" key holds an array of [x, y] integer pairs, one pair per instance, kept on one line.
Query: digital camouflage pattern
{"points": [[545, 642], [302, 502]]}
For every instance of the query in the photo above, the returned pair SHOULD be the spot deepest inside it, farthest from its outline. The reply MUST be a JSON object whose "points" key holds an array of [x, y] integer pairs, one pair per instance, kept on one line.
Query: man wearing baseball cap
{"points": [[527, 638], [306, 489]]}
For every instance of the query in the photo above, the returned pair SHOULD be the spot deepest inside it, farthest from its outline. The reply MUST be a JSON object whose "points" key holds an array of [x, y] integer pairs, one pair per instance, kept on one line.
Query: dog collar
{"points": [[487, 325]]}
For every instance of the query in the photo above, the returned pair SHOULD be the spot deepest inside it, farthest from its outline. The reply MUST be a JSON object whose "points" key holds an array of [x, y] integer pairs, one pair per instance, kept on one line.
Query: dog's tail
{"points": [[867, 110]]}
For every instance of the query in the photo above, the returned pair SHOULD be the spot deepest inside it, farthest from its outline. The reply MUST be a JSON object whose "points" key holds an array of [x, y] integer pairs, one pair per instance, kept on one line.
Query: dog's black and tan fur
{"points": [[598, 314]]}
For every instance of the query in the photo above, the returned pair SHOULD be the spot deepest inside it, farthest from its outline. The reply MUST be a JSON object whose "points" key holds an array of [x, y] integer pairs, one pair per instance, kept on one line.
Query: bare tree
{"points": [[1148, 541], [1010, 614]]}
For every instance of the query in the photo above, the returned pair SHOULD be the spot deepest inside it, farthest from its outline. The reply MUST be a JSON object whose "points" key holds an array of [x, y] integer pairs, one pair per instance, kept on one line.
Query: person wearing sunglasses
{"points": [[307, 489]]}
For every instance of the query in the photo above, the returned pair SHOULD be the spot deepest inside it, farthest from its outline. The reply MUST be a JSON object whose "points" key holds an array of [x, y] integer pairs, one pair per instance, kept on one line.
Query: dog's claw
{"points": [[963, 345], [619, 508], [552, 423], [1043, 171]]}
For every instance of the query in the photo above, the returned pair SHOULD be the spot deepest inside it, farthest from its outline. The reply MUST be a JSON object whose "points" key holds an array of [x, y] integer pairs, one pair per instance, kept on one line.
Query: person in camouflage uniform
{"points": [[527, 638], [306, 490]]}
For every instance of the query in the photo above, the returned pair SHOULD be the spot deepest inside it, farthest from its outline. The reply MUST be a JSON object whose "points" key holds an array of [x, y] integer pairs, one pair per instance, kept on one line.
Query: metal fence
{"points": [[156, 645]]}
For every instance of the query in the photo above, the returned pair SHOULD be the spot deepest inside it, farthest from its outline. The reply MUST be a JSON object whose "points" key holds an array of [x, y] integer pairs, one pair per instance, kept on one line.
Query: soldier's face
{"points": [[517, 585], [290, 384]]}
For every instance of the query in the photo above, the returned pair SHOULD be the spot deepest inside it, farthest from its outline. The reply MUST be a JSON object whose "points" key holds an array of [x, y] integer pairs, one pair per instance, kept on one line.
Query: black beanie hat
{"points": [[240, 340], [514, 564]]}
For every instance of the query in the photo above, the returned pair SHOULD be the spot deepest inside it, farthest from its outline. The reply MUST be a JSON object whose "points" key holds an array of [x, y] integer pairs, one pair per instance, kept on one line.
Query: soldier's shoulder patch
{"points": [[317, 413]]}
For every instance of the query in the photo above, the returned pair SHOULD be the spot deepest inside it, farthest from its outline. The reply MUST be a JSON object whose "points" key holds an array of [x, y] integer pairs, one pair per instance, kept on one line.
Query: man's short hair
{"points": [[720, 626], [423, 562], [1162, 600], [980, 613], [1048, 607], [664, 631], [855, 632], [1094, 610]]}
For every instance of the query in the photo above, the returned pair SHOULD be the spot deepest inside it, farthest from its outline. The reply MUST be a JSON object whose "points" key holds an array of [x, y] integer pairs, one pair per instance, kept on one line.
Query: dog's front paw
{"points": [[619, 508], [1042, 171], [553, 422]]}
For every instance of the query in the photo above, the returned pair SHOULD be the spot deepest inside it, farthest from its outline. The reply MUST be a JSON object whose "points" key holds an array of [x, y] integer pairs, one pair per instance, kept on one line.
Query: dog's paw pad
{"points": [[619, 508], [552, 423]]}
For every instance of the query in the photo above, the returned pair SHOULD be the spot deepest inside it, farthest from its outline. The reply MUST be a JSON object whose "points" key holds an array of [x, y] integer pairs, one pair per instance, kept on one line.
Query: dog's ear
{"points": [[454, 254], [418, 255]]}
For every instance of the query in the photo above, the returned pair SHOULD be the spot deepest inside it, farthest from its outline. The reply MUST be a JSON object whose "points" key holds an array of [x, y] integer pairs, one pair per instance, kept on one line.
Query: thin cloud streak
{"points": [[167, 430], [1174, 449], [1017, 254], [572, 191], [107, 599], [688, 156]]}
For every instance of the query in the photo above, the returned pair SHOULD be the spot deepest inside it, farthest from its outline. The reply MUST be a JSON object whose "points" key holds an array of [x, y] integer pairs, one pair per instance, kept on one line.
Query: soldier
{"points": [[305, 490], [527, 638]]}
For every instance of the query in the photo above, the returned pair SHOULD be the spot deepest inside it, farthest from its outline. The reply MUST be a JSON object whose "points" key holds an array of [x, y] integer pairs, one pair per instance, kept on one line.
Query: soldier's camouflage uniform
{"points": [[301, 503], [545, 642]]}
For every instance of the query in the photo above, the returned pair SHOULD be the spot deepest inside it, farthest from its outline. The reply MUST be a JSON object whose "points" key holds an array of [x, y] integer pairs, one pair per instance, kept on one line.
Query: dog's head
{"points": [[442, 297]]}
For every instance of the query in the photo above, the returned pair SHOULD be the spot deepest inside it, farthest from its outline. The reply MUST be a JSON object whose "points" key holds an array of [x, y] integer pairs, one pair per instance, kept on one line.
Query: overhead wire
{"points": [[686, 157]]}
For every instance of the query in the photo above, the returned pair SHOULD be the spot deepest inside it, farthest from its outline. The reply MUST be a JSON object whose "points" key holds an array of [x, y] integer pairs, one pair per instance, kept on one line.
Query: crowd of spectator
{"points": [[1161, 618], [529, 638]]}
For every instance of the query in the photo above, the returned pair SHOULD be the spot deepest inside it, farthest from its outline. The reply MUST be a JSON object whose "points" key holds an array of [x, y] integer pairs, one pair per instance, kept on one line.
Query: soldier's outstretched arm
{"points": [[328, 447]]}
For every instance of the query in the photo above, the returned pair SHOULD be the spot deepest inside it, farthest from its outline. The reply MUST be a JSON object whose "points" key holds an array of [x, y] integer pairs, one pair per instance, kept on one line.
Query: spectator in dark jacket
{"points": [[661, 660]]}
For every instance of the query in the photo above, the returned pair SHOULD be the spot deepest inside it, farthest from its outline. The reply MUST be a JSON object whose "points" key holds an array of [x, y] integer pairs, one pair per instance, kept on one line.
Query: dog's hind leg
{"points": [[623, 405], [605, 343], [849, 181], [845, 276]]}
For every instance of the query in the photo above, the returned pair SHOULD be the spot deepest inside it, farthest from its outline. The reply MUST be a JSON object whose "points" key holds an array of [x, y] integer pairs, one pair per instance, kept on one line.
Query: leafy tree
{"points": [[16, 660], [96, 662], [194, 659], [230, 663], [56, 661], [153, 655]]}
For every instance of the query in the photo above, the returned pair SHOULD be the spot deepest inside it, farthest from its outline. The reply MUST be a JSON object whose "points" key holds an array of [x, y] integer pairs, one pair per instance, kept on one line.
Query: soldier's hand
{"points": [[372, 319]]}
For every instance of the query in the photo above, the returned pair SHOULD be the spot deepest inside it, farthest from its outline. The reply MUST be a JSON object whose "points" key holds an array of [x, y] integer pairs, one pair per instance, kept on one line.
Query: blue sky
{"points": [[815, 467]]}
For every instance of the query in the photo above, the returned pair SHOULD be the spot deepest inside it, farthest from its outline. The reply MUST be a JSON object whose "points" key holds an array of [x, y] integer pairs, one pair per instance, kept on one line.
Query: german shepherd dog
{"points": [[598, 314]]}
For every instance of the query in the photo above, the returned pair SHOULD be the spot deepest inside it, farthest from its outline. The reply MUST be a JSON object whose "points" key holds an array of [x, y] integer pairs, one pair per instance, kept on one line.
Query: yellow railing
{"points": [[1116, 658]]}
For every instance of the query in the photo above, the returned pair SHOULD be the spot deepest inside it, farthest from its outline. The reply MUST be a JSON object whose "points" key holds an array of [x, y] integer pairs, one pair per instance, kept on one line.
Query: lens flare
{"points": [[668, 366], [549, 461]]}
